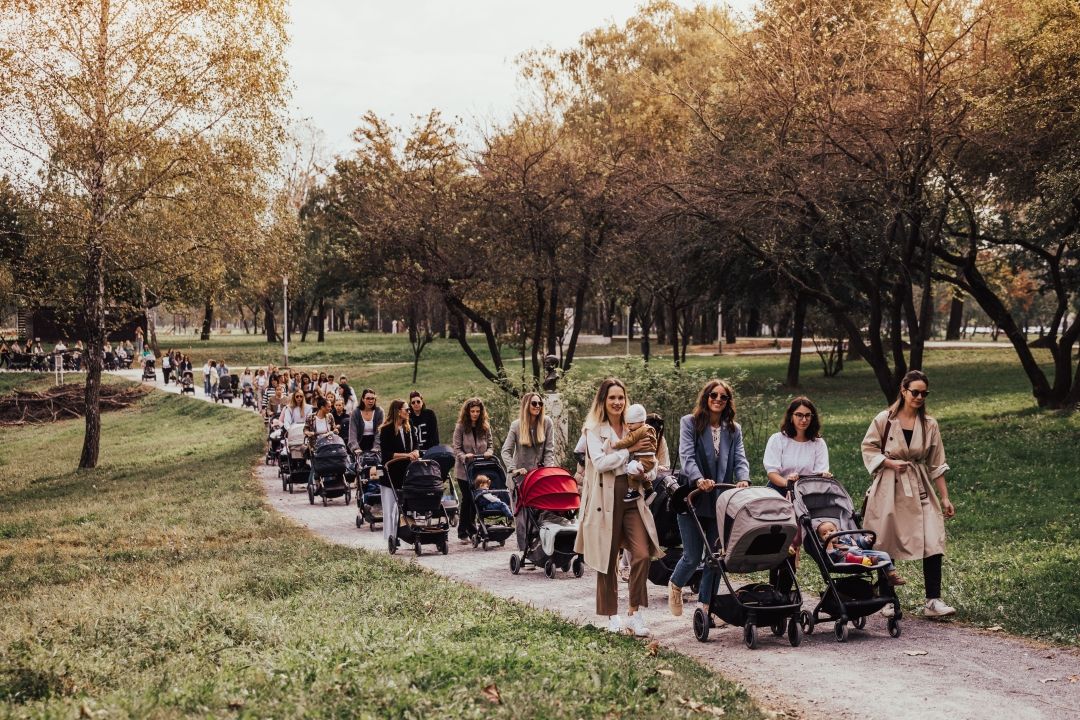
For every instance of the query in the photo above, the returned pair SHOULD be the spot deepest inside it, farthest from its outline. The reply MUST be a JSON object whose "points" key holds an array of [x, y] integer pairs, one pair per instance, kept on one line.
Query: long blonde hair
{"points": [[526, 431], [598, 412]]}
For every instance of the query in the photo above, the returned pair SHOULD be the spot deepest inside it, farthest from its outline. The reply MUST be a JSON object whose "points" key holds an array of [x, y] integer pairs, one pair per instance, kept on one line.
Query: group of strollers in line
{"points": [[627, 514]]}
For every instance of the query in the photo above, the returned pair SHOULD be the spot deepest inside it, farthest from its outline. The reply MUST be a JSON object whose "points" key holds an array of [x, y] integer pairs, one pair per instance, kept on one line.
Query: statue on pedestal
{"points": [[551, 365]]}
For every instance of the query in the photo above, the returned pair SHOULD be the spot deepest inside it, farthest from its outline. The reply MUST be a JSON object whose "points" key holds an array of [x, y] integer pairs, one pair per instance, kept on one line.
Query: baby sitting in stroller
{"points": [[488, 504], [855, 548]]}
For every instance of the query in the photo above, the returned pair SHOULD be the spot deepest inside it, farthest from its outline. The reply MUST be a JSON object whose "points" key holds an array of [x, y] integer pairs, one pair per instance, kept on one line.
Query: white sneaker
{"points": [[615, 623], [888, 611], [636, 622], [936, 608]]}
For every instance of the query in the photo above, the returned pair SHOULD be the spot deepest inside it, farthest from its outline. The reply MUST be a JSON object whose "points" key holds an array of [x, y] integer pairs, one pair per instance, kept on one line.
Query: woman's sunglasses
{"points": [[536, 403], [918, 393], [719, 396]]}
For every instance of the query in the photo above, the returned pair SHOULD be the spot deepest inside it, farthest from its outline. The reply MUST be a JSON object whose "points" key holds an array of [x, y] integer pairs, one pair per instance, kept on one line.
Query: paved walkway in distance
{"points": [[934, 671]]}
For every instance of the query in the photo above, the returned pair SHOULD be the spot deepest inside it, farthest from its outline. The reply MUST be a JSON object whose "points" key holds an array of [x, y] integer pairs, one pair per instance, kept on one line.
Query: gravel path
{"points": [[934, 670]]}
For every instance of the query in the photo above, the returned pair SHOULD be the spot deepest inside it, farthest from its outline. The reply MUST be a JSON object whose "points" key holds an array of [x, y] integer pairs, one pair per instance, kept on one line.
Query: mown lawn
{"points": [[159, 585]]}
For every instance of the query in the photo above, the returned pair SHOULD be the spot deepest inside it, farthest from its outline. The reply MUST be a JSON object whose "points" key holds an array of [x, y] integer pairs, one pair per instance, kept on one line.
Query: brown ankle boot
{"points": [[895, 579]]}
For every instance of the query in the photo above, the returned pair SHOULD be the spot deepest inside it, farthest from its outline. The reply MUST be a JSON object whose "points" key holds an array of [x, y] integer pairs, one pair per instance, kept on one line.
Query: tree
{"points": [[109, 101]]}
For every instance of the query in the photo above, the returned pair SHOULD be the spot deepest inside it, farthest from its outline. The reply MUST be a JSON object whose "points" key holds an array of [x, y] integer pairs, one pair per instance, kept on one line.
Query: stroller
{"points": [[490, 527], [756, 527], [329, 466], [187, 383], [664, 511], [548, 544], [247, 397], [274, 441], [293, 467], [368, 494], [444, 456], [422, 519], [850, 594], [224, 390], [148, 372]]}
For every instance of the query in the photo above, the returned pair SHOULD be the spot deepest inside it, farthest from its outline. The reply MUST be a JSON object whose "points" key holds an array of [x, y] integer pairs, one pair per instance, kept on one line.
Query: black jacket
{"points": [[425, 428]]}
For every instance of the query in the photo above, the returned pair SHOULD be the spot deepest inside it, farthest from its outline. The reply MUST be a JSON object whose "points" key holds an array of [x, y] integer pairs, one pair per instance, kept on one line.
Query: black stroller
{"points": [[756, 526], [664, 512], [850, 595], [489, 527], [421, 517], [247, 397], [329, 465], [368, 494], [148, 372], [275, 440], [293, 465], [187, 383], [444, 456], [224, 389]]}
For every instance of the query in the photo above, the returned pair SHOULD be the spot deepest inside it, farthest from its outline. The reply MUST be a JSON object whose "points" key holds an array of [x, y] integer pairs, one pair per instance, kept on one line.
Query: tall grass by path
{"points": [[159, 585]]}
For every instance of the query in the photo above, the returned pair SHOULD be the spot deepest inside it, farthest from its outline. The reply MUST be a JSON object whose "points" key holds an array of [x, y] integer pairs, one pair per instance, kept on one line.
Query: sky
{"points": [[402, 58]]}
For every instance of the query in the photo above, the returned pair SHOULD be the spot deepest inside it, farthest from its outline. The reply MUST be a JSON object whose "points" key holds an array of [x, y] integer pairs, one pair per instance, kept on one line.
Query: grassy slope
{"points": [[160, 586]]}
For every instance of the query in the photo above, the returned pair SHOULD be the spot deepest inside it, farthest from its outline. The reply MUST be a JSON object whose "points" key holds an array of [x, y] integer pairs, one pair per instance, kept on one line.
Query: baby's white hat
{"points": [[635, 413]]}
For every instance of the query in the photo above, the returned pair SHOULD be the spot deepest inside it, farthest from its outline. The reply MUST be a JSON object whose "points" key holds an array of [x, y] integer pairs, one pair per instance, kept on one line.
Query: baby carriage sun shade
{"points": [[549, 545], [851, 596], [330, 456], [422, 518], [444, 456], [489, 527]]}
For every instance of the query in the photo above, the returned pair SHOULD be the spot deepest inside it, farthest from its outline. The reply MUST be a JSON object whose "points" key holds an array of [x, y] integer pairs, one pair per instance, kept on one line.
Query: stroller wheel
{"points": [[502, 543], [749, 636], [484, 545], [311, 494], [777, 628], [391, 544], [444, 547], [348, 497], [417, 548], [371, 526], [515, 564], [806, 619], [701, 625], [359, 521], [549, 569], [794, 632], [859, 623], [840, 631], [578, 567], [894, 627], [453, 521]]}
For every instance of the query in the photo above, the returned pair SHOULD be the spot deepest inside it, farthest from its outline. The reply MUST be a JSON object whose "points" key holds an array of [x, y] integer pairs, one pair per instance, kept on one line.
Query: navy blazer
{"points": [[698, 460]]}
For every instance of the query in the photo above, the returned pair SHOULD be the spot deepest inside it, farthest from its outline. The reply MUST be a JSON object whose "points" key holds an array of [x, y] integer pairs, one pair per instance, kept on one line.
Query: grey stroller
{"points": [[849, 594]]}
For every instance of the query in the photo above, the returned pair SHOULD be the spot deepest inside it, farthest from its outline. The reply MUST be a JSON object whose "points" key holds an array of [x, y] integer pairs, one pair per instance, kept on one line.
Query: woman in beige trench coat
{"points": [[608, 523], [903, 451]]}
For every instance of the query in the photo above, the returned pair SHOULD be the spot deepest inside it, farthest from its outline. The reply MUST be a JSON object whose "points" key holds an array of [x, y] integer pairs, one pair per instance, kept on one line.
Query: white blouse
{"points": [[785, 455]]}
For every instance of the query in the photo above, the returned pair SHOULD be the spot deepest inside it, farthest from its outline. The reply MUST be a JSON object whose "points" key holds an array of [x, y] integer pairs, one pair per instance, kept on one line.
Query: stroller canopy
{"points": [[443, 455], [549, 488], [487, 466], [820, 498], [758, 525]]}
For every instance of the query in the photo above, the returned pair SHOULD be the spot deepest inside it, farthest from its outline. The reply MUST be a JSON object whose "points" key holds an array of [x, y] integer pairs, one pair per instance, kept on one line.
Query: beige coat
{"points": [[602, 465], [908, 525]]}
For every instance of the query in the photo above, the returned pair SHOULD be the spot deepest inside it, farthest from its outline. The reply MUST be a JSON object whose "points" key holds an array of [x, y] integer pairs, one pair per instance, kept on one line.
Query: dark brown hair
{"points": [[701, 409], [912, 376], [813, 432]]}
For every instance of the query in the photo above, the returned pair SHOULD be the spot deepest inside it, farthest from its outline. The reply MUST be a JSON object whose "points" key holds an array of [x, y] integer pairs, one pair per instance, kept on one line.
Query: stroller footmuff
{"points": [[329, 464], [852, 591], [544, 503], [275, 440], [370, 475], [489, 525], [444, 456], [292, 463], [224, 390], [422, 519], [756, 526]]}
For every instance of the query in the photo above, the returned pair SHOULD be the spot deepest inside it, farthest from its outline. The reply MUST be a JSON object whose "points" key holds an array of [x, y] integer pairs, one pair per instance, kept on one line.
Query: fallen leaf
{"points": [[236, 704], [995, 628], [666, 673], [653, 648], [700, 707], [85, 711], [491, 694], [1073, 678], [913, 653], [1048, 680]]}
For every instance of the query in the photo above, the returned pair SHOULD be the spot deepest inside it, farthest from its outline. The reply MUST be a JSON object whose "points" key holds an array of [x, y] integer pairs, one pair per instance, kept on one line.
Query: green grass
{"points": [[160, 585]]}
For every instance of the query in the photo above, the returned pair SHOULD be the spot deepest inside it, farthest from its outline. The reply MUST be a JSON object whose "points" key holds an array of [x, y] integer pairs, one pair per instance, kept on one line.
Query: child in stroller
{"points": [[148, 372], [855, 548], [487, 503], [247, 398], [187, 383], [370, 473], [492, 522]]}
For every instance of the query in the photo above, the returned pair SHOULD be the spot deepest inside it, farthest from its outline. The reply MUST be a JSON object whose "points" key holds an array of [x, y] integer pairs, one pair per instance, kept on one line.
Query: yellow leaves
{"points": [[491, 694]]}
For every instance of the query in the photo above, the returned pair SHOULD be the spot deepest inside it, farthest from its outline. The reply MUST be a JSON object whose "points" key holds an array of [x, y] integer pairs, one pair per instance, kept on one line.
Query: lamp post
{"points": [[285, 287], [626, 328], [720, 328]]}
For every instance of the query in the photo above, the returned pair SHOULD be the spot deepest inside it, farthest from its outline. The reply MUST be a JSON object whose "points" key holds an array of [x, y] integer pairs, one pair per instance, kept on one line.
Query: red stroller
{"points": [[545, 502]]}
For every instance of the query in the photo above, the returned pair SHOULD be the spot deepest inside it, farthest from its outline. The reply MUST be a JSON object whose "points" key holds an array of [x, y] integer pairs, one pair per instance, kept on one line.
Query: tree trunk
{"points": [[798, 325], [94, 299], [321, 320], [731, 325], [753, 322], [208, 318], [674, 337], [269, 322], [956, 317]]}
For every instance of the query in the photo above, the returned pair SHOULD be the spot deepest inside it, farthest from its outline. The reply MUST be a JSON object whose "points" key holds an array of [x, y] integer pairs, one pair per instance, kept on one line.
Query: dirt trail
{"points": [[934, 670]]}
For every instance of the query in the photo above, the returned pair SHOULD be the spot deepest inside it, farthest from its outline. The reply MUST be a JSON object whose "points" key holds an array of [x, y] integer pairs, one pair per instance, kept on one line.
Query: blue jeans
{"points": [[693, 552]]}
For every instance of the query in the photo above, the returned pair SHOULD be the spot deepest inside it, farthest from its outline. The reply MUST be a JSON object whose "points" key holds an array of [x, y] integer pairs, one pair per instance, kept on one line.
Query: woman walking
{"points": [[472, 439], [396, 442], [364, 424], [902, 449], [711, 451], [608, 523], [530, 441], [297, 411]]}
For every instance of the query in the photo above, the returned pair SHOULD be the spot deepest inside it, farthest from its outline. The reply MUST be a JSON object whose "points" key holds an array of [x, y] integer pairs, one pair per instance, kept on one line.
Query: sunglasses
{"points": [[719, 396], [918, 393], [536, 403], [417, 401], [802, 416]]}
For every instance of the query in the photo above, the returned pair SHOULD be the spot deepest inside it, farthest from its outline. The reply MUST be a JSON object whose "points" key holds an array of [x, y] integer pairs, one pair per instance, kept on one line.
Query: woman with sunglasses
{"points": [[364, 424], [903, 451], [530, 441], [710, 451], [423, 421], [297, 411]]}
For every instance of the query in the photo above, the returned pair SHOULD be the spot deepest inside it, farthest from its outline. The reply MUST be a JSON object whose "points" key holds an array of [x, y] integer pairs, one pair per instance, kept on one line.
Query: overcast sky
{"points": [[403, 58]]}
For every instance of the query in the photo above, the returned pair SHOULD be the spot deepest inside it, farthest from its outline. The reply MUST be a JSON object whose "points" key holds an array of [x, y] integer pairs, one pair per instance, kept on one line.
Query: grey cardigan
{"points": [[356, 424], [515, 455], [465, 442]]}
